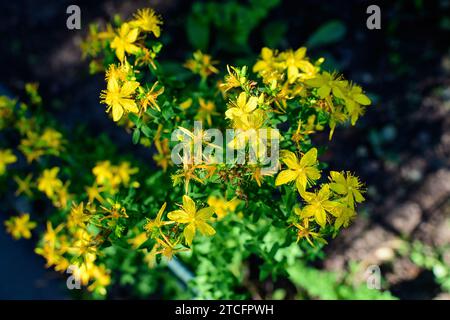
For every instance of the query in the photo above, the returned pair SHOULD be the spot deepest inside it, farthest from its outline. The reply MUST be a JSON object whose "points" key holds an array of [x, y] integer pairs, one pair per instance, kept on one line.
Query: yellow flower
{"points": [[242, 110], [348, 186], [123, 41], [344, 216], [327, 83], [297, 65], [119, 97], [163, 158], [168, 249], [153, 226], [49, 183], [304, 231], [6, 157], [78, 215], [318, 204], [138, 240], [354, 100], [62, 196], [114, 211], [101, 279], [103, 172], [150, 97], [193, 219], [20, 227], [266, 61], [150, 256], [35, 144], [206, 110], [301, 172], [147, 20], [52, 138], [189, 173], [304, 129], [186, 104], [257, 140], [201, 64], [123, 173], [93, 193], [24, 185], [258, 175], [233, 79], [120, 72], [221, 206], [81, 272]]}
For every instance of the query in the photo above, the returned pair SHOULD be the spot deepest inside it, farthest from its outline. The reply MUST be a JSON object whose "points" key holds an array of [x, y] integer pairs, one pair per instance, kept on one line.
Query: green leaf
{"points": [[273, 34], [167, 112], [146, 131], [197, 28], [331, 32], [136, 136], [134, 118]]}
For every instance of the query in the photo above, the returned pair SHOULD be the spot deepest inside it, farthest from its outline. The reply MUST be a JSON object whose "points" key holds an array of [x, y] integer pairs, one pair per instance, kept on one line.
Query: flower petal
{"points": [[310, 158], [179, 216], [286, 176]]}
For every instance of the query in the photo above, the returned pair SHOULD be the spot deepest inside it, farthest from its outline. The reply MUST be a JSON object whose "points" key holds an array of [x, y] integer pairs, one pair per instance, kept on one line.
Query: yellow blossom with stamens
{"points": [[49, 183], [147, 20], [124, 40], [318, 204], [304, 231], [301, 171], [119, 97], [153, 226], [193, 218], [150, 97]]}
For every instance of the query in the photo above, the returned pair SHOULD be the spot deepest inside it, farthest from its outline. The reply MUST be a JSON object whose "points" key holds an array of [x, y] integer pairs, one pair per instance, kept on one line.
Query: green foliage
{"points": [[230, 22], [330, 32], [435, 260], [332, 286]]}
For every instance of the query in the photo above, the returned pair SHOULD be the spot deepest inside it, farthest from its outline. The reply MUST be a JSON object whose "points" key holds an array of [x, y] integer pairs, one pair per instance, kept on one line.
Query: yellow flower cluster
{"points": [[34, 144], [222, 207], [123, 93], [74, 244], [61, 244], [74, 239], [54, 188], [285, 73], [333, 201], [201, 64], [188, 217], [291, 74]]}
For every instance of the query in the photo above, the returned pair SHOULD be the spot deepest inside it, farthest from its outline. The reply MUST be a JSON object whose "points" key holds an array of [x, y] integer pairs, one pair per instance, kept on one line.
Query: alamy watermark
{"points": [[373, 277], [73, 22], [374, 20], [74, 280]]}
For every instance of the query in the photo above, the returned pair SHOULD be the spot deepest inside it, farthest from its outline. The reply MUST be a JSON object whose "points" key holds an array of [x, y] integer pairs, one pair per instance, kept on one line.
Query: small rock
{"points": [[405, 217]]}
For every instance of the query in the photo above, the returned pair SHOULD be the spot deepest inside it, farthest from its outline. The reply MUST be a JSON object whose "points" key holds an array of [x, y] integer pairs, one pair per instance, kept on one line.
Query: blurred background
{"points": [[400, 148]]}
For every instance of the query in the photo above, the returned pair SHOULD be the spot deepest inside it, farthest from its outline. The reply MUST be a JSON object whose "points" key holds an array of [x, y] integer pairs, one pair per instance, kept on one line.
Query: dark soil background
{"points": [[401, 148]]}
